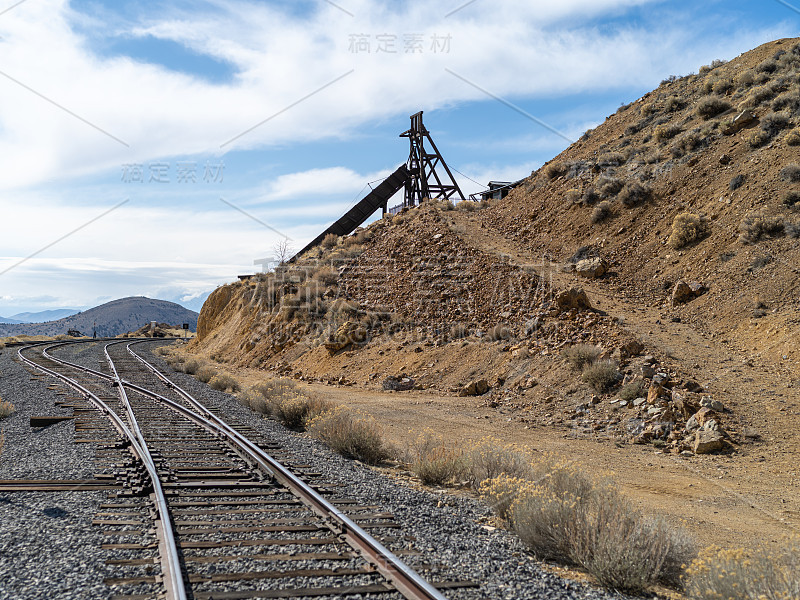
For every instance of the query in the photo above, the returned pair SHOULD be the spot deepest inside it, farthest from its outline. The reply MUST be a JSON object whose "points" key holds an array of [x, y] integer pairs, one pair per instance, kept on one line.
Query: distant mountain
{"points": [[42, 316], [9, 320], [110, 319]]}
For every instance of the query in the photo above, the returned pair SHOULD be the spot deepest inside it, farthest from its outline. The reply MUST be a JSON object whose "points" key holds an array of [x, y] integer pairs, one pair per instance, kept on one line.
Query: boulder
{"points": [[655, 393], [740, 121], [685, 403], [347, 334], [705, 414], [706, 441], [715, 405], [681, 293], [398, 383], [475, 388], [632, 348], [591, 268], [572, 298]]}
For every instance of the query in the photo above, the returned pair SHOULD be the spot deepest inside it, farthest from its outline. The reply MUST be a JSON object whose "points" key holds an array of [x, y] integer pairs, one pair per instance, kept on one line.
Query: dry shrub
{"points": [[6, 408], [601, 212], [555, 170], [590, 196], [205, 373], [459, 331], [330, 240], [772, 123], [666, 131], [793, 137], [500, 332], [744, 79], [787, 101], [297, 411], [755, 226], [631, 391], [434, 461], [327, 276], [674, 103], [791, 198], [224, 383], [491, 458], [758, 138], [351, 434], [711, 107], [566, 515], [611, 159], [602, 375], [634, 193], [791, 173], [190, 366], [467, 206], [739, 573], [767, 66], [608, 186], [686, 229], [581, 355], [573, 196]]}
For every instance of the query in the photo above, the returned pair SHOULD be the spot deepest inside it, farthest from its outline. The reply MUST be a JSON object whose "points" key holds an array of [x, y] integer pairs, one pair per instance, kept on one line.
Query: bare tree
{"points": [[283, 251]]}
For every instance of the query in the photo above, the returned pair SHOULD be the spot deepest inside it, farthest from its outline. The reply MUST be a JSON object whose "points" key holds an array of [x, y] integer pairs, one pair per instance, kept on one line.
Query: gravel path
{"points": [[48, 547]]}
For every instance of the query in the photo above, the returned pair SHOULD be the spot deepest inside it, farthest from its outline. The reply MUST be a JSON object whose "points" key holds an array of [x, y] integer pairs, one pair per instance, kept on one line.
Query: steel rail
{"points": [[171, 562], [170, 557], [407, 581]]}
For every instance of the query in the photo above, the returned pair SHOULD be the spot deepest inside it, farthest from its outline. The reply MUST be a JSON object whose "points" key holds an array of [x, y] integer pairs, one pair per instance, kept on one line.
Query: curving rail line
{"points": [[404, 579]]}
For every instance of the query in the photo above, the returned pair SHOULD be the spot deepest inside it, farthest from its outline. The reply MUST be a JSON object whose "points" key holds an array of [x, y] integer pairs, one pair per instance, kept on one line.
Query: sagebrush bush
{"points": [[767, 66], [500, 332], [190, 366], [772, 123], [744, 79], [491, 458], [674, 103], [205, 373], [634, 193], [687, 228], [666, 131], [711, 107], [608, 186], [631, 391], [793, 137], [573, 196], [791, 198], [434, 461], [601, 212], [327, 276], [330, 240], [581, 355], [611, 159], [6, 408], [756, 226], [459, 331], [747, 574], [601, 375], [791, 173], [758, 138], [566, 515], [590, 196], [787, 101], [555, 170], [351, 434], [223, 382]]}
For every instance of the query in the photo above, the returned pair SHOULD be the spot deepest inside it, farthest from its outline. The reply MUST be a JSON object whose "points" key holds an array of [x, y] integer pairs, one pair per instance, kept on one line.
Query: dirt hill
{"points": [[666, 238], [112, 318]]}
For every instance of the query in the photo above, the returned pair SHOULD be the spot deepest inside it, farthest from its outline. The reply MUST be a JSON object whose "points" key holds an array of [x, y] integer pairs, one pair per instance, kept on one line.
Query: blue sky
{"points": [[136, 136]]}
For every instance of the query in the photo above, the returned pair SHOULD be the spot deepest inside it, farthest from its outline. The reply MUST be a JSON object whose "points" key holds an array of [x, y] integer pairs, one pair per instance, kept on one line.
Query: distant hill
{"points": [[111, 319], [10, 321], [40, 317]]}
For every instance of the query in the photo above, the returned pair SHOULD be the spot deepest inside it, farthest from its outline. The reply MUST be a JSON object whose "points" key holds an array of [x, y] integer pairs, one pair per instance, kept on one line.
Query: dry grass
{"points": [[330, 240], [351, 434], [687, 228], [581, 355], [284, 401], [555, 170], [6, 409], [631, 391], [746, 574], [224, 382], [793, 137], [563, 514], [666, 132], [791, 173], [601, 375]]}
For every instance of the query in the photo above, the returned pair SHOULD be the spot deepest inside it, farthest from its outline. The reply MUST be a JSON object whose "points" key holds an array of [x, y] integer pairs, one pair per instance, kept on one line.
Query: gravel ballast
{"points": [[49, 548]]}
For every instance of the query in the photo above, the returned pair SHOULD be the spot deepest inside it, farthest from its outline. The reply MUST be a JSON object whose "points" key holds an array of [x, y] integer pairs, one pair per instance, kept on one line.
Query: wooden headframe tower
{"points": [[430, 176]]}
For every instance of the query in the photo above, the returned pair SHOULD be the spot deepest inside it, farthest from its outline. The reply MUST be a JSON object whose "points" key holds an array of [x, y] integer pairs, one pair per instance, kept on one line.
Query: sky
{"points": [[163, 148]]}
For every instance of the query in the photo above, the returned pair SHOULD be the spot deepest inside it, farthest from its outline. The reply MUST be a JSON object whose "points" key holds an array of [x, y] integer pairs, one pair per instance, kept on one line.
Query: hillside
{"points": [[112, 318], [667, 238]]}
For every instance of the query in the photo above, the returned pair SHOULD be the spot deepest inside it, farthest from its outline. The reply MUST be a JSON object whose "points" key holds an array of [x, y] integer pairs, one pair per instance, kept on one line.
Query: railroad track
{"points": [[204, 508]]}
